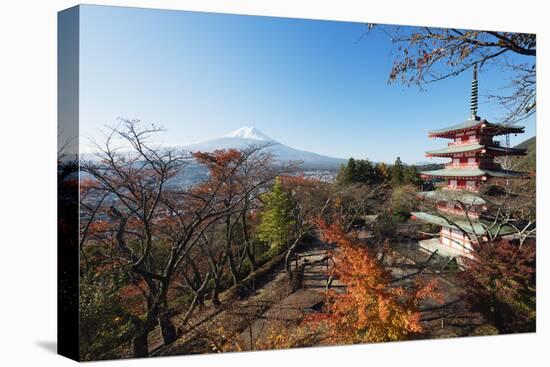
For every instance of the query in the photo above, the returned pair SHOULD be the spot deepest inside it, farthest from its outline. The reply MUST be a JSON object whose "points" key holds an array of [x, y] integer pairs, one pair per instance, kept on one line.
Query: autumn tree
{"points": [[499, 274], [353, 203], [382, 171], [502, 208], [426, 55], [311, 199], [372, 308], [136, 183], [256, 175], [500, 282], [156, 223], [228, 241]]}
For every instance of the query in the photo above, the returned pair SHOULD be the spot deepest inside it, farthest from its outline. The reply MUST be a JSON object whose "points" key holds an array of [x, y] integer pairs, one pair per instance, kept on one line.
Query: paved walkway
{"points": [[283, 315], [272, 305]]}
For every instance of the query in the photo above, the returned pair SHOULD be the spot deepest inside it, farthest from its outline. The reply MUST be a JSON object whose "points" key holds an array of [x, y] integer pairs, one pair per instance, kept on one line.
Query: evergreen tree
{"points": [[351, 171], [341, 176], [411, 176], [359, 171], [365, 172], [397, 173], [276, 221]]}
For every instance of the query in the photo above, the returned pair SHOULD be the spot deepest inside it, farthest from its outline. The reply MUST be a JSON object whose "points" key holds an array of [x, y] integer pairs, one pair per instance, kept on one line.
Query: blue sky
{"points": [[314, 85]]}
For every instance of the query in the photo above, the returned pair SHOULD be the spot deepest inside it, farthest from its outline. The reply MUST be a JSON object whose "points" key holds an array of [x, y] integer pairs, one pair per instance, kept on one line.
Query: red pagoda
{"points": [[472, 153]]}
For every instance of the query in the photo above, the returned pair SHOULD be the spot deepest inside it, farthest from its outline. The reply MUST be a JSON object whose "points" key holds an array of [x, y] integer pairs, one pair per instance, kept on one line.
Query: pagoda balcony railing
{"points": [[451, 165], [476, 141], [465, 142], [461, 188], [471, 214]]}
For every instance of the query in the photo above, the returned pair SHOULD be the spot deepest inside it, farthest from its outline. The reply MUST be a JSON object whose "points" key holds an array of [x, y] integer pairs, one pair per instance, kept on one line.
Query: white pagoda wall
{"points": [[455, 239]]}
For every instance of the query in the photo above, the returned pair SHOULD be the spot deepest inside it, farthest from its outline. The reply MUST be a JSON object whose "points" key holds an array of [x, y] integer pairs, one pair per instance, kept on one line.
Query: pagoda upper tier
{"points": [[473, 150], [493, 150], [473, 172], [484, 127]]}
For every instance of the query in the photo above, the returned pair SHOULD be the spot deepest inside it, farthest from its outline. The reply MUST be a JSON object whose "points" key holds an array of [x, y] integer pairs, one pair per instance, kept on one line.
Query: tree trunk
{"points": [[167, 329], [288, 258], [228, 251], [250, 257], [200, 301], [232, 267], [248, 246], [139, 344], [216, 292]]}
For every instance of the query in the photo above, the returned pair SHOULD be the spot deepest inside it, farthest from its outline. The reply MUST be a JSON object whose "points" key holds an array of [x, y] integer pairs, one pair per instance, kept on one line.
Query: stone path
{"points": [[291, 309], [272, 306]]}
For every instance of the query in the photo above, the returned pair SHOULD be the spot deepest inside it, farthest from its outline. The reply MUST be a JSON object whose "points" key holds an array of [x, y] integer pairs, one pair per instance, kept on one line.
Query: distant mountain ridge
{"points": [[248, 136]]}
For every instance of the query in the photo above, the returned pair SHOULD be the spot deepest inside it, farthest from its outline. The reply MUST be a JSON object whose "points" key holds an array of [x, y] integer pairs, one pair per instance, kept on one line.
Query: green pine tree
{"points": [[411, 176], [276, 220], [397, 173], [365, 173], [341, 176], [351, 171]]}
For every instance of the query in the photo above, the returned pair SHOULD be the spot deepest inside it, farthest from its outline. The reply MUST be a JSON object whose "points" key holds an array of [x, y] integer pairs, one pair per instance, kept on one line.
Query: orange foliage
{"points": [[99, 227], [87, 183], [372, 309], [224, 176], [281, 338], [222, 339], [219, 160], [132, 298]]}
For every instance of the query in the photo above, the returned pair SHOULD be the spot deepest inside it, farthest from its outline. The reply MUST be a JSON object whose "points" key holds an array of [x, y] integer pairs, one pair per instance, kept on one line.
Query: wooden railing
{"points": [[471, 214], [465, 164], [465, 142], [461, 188]]}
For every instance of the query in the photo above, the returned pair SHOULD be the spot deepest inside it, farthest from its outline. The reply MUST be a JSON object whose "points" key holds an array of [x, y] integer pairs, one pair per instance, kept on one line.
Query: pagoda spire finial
{"points": [[473, 98]]}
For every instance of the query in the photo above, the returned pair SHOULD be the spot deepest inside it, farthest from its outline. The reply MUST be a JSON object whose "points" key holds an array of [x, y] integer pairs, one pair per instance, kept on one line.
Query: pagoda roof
{"points": [[462, 196], [456, 149], [465, 148], [473, 226], [472, 172], [506, 151], [474, 124]]}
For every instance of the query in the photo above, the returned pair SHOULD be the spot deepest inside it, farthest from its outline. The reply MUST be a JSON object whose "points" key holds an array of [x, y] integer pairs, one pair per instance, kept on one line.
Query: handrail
{"points": [[475, 164], [465, 142]]}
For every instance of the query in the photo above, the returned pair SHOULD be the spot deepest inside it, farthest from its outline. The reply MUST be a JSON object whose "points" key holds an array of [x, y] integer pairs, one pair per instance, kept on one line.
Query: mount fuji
{"points": [[248, 133], [247, 136]]}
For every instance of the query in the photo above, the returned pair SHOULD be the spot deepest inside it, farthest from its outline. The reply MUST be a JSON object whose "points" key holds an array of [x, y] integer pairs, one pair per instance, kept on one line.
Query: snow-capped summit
{"points": [[248, 133], [249, 136]]}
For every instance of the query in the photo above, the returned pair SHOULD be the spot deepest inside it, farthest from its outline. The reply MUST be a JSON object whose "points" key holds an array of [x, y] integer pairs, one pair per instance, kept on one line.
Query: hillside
{"points": [[528, 162]]}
